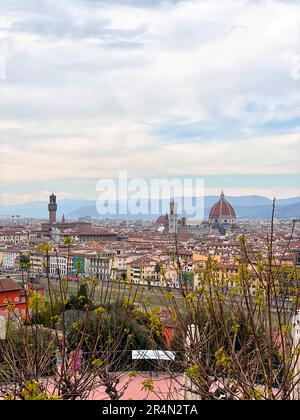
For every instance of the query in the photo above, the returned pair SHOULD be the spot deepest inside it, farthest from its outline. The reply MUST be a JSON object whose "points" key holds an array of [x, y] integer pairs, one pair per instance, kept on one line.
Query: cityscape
{"points": [[149, 203], [145, 254]]}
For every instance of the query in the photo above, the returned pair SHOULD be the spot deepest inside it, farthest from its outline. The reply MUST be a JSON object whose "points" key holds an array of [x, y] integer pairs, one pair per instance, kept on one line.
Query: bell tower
{"points": [[173, 218], [52, 208]]}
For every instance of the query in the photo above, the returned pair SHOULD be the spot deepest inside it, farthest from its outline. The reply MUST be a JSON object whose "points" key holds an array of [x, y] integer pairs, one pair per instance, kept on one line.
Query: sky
{"points": [[198, 88]]}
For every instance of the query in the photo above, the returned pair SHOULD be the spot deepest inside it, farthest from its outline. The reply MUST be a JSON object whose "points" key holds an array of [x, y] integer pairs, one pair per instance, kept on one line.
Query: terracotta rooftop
{"points": [[222, 209], [8, 285], [162, 220]]}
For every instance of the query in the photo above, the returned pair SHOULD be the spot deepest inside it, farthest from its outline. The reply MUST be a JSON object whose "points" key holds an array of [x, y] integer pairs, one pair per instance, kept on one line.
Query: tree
{"points": [[81, 301], [69, 360], [238, 345], [230, 343]]}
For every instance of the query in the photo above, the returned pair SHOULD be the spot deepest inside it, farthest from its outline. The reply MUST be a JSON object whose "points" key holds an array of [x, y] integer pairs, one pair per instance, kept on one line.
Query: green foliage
{"points": [[155, 322], [193, 372], [36, 302], [68, 241], [112, 328], [24, 262], [32, 391], [148, 385], [97, 363], [100, 311], [81, 301], [45, 314], [254, 394], [222, 358]]}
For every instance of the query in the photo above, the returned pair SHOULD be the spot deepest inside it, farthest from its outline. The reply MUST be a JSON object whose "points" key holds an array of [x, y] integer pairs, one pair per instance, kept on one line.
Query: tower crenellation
{"points": [[52, 208]]}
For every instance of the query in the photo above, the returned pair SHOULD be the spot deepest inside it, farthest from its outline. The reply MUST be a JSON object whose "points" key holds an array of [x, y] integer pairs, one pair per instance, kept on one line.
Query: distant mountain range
{"points": [[250, 207]]}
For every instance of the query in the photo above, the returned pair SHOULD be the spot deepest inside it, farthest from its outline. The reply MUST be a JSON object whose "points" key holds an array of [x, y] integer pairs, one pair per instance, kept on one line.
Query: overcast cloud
{"points": [[158, 88]]}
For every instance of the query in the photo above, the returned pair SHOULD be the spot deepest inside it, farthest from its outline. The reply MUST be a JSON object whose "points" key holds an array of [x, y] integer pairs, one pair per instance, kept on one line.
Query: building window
{"points": [[17, 299]]}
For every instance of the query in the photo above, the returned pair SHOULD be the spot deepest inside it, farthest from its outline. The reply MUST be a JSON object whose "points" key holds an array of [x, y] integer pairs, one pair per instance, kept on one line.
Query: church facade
{"points": [[221, 220]]}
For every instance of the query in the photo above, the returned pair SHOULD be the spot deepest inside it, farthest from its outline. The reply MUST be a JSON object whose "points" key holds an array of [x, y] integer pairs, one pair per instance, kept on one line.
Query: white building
{"points": [[100, 265], [59, 265], [10, 258]]}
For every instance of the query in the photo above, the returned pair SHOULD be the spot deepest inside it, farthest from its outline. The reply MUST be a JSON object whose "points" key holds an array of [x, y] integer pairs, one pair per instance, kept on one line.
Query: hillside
{"points": [[254, 207]]}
